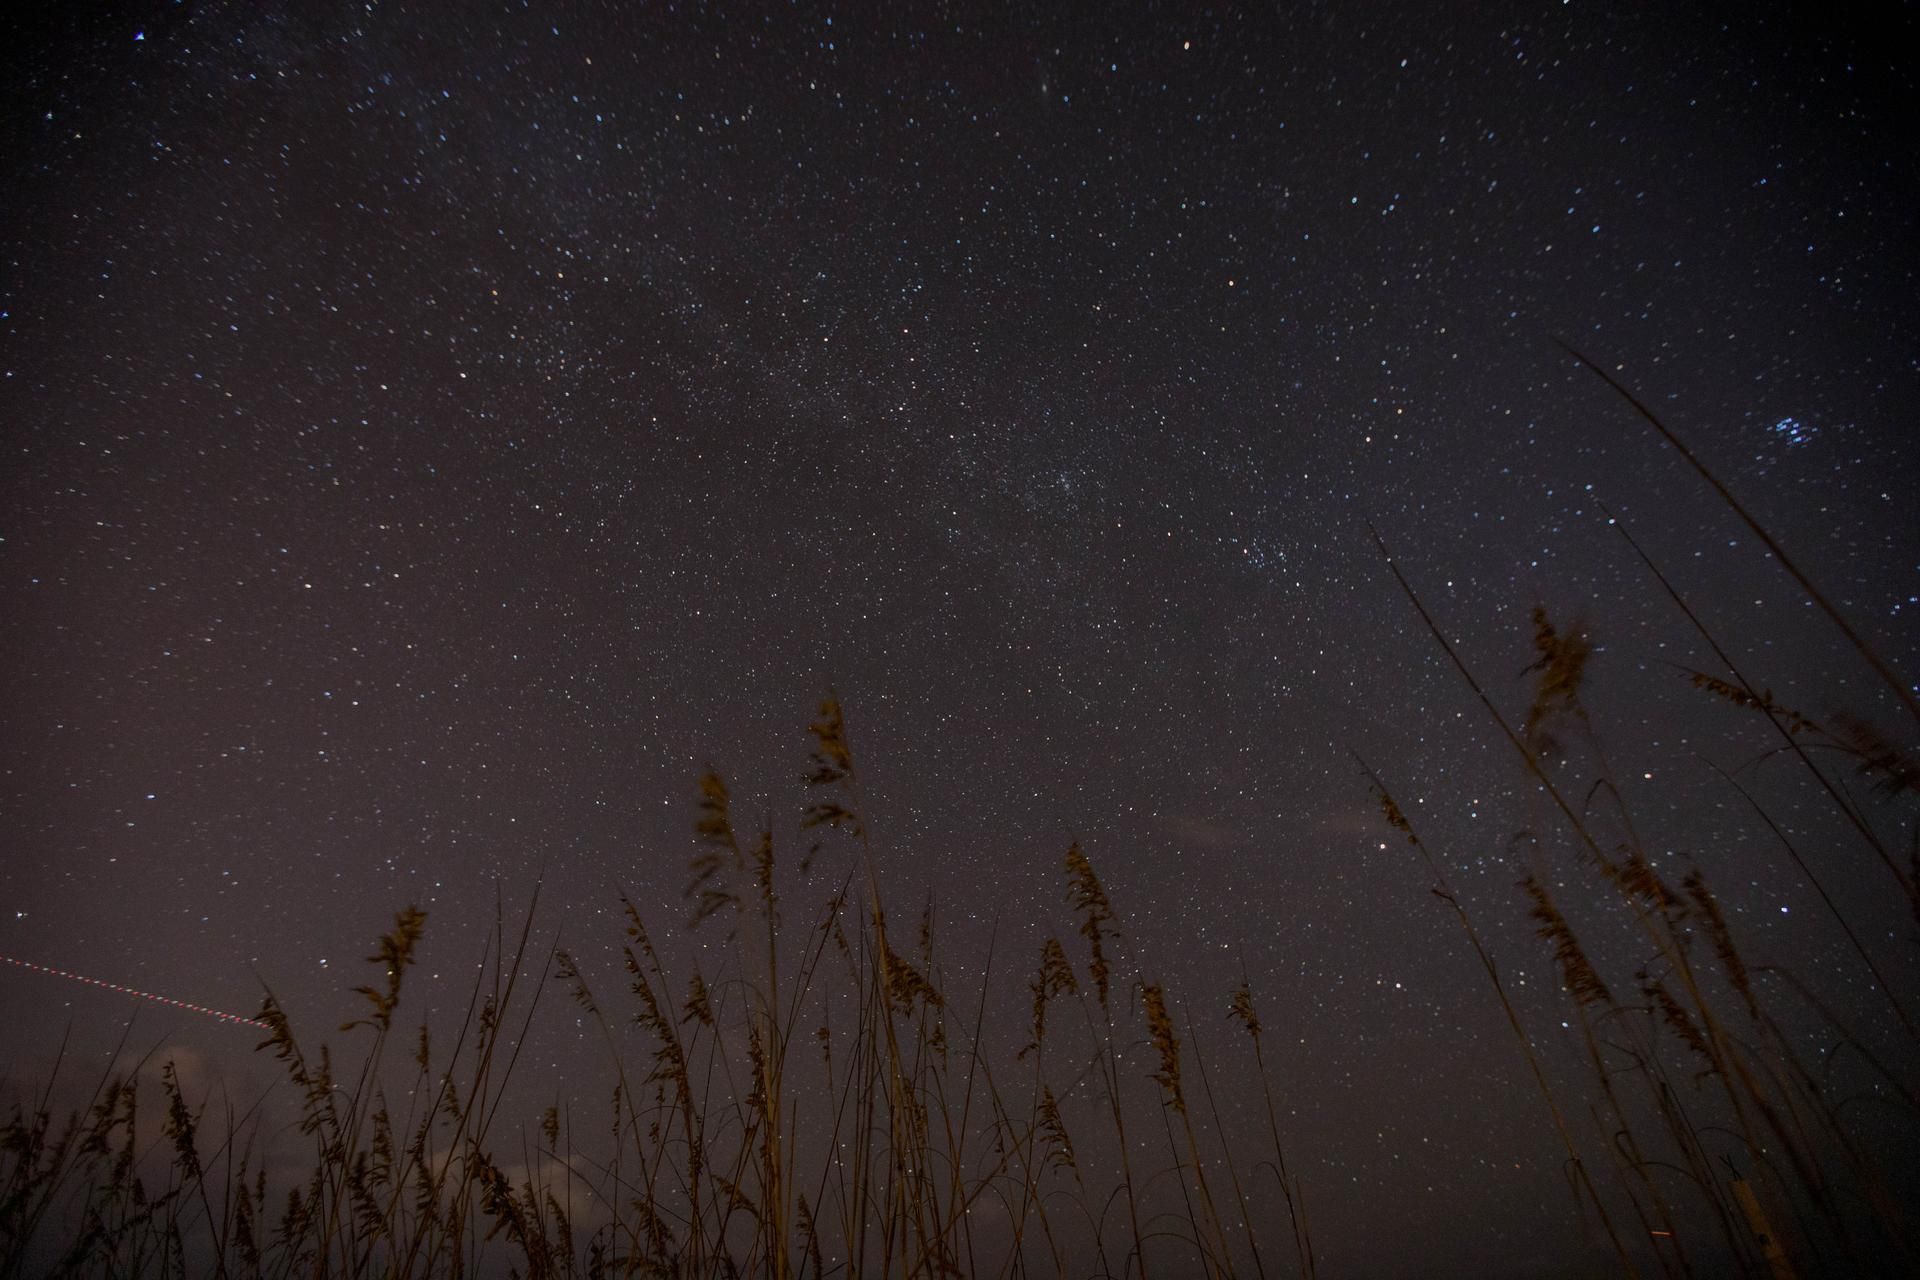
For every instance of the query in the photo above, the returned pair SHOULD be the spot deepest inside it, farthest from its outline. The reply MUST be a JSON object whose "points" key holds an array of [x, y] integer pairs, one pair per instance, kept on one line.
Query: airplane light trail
{"points": [[189, 1006]]}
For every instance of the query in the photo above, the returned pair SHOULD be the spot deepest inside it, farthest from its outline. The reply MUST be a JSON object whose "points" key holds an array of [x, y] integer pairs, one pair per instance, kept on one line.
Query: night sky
{"points": [[433, 433]]}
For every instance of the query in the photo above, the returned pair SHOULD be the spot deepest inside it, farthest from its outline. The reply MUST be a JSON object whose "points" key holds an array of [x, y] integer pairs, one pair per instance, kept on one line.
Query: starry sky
{"points": [[435, 432]]}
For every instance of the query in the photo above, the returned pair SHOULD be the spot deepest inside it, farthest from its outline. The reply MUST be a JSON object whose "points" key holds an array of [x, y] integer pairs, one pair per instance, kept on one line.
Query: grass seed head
{"points": [[716, 866], [1680, 1022], [1165, 1043], [699, 1003], [1762, 701], [1893, 770], [1582, 979], [1054, 1130], [831, 767], [1055, 978], [905, 984], [1086, 895], [1242, 1009], [1562, 666], [1395, 818], [1707, 908], [394, 954]]}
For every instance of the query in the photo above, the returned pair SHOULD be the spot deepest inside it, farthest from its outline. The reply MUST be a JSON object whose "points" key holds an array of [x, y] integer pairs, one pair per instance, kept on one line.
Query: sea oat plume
{"points": [[1087, 896], [1561, 665], [1582, 979], [1165, 1043], [1241, 1009], [1708, 910]]}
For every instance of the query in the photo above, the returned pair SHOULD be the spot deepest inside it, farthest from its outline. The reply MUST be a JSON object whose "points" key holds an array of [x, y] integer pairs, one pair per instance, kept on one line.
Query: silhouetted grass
{"points": [[824, 1104]]}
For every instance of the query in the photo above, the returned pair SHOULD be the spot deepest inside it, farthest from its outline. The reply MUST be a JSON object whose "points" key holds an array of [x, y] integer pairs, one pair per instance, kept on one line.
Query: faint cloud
{"points": [[1203, 832]]}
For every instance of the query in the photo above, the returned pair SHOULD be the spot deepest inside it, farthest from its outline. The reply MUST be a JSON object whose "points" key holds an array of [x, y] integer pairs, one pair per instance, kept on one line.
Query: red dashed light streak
{"points": [[188, 1005]]}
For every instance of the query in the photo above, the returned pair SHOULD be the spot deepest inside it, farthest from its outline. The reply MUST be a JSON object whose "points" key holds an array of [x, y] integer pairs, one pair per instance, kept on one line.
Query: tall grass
{"points": [[823, 1100]]}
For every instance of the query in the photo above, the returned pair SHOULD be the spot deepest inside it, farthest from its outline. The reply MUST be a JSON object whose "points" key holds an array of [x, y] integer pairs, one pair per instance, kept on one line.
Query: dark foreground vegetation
{"points": [[827, 1107]]}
